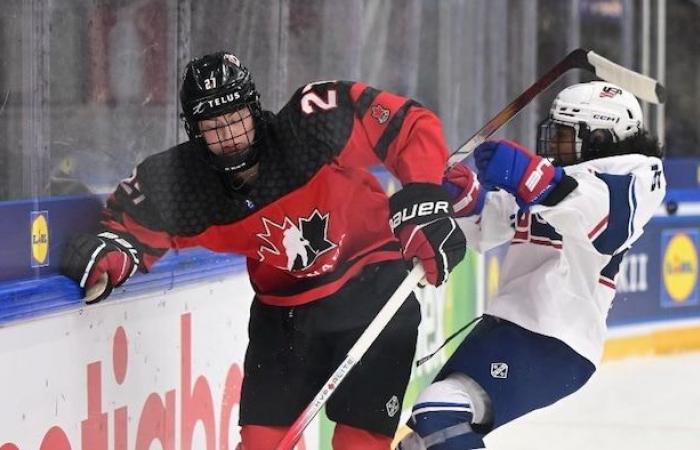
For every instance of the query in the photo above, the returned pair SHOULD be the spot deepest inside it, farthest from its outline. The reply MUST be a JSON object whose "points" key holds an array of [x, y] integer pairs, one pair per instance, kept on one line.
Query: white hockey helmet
{"points": [[598, 112]]}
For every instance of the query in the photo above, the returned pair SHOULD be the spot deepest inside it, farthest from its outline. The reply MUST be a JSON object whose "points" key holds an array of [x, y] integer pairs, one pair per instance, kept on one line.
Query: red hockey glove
{"points": [[421, 217], [466, 192], [99, 263], [509, 166]]}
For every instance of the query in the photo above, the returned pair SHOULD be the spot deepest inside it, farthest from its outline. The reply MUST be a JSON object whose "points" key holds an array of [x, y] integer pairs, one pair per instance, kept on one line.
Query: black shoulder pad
{"points": [[561, 190]]}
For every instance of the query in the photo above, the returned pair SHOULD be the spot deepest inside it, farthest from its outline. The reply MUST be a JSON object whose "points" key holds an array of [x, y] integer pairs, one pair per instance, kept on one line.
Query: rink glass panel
{"points": [[88, 88]]}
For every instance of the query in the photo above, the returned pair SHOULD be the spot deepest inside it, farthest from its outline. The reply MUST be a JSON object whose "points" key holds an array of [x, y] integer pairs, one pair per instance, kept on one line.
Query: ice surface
{"points": [[649, 403]]}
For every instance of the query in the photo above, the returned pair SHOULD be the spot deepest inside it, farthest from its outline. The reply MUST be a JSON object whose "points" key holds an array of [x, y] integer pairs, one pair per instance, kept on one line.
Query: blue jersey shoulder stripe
{"points": [[623, 204]]}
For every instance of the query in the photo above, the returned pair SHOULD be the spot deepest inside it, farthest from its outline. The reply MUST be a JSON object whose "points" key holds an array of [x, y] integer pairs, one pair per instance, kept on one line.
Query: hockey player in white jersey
{"points": [[570, 212]]}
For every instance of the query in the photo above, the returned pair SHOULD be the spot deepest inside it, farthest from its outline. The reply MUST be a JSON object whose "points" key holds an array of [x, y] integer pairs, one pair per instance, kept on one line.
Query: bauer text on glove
{"points": [[421, 217]]}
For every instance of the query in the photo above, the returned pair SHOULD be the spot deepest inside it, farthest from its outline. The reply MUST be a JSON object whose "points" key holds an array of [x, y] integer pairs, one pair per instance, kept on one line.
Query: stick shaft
{"points": [[576, 58], [354, 354]]}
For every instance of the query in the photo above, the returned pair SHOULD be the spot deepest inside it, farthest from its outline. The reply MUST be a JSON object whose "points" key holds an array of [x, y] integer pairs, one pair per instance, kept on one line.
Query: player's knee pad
{"points": [[446, 410], [414, 442], [346, 437], [259, 437]]}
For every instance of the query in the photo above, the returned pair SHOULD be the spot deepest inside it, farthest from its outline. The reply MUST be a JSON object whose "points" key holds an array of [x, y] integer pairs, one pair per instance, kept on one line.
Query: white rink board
{"points": [[117, 375]]}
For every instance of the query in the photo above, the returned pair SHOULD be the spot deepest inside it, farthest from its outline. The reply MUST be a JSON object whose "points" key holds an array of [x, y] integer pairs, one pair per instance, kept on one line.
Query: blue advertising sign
{"points": [[33, 232]]}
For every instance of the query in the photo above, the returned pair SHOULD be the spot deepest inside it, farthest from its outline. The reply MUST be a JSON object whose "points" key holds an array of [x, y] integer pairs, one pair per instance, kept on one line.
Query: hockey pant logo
{"points": [[499, 370]]}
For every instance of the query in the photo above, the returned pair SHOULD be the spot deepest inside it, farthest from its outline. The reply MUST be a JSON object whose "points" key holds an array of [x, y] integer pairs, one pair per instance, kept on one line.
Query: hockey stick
{"points": [[353, 356], [639, 85]]}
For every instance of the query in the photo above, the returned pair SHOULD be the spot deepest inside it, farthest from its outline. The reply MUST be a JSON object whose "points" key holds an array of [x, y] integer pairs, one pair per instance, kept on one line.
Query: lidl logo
{"points": [[40, 238], [679, 267], [493, 277]]}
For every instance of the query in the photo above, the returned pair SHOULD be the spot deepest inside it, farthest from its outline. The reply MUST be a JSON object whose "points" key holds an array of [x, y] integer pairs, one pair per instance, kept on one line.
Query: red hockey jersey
{"points": [[314, 217]]}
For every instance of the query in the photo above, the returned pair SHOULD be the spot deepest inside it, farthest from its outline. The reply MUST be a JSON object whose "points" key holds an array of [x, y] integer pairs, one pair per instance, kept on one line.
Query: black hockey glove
{"points": [[99, 263], [421, 217]]}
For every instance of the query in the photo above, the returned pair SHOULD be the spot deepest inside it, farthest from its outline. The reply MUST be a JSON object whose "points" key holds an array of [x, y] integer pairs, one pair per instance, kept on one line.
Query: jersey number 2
{"points": [[312, 102]]}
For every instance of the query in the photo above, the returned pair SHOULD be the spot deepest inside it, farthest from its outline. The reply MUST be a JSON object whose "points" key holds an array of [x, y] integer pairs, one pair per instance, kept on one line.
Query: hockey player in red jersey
{"points": [[570, 211], [292, 193]]}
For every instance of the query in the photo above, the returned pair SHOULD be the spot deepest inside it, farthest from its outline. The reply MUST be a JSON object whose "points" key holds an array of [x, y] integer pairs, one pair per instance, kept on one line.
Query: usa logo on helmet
{"points": [[609, 91]]}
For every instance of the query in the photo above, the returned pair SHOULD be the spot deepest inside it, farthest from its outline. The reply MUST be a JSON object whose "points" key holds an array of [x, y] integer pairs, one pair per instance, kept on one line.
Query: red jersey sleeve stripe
{"points": [[606, 282], [392, 130], [595, 232], [385, 114]]}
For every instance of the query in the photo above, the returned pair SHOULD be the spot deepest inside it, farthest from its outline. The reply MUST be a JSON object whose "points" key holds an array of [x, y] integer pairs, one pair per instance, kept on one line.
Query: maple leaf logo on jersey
{"points": [[295, 247], [380, 113]]}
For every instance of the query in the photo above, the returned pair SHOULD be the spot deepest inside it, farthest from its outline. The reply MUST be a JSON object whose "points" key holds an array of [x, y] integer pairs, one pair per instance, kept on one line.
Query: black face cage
{"points": [[253, 104], [233, 160], [550, 138]]}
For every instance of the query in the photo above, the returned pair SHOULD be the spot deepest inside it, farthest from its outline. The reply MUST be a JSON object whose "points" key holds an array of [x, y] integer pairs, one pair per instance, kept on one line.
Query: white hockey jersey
{"points": [[558, 275]]}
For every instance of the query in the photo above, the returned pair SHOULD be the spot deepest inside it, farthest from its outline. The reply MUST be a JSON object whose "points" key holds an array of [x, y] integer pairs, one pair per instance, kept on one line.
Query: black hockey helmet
{"points": [[214, 85]]}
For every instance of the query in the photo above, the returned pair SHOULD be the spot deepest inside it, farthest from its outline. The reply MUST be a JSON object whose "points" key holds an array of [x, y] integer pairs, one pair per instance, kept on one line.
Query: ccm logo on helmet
{"points": [[218, 101], [419, 210], [602, 117]]}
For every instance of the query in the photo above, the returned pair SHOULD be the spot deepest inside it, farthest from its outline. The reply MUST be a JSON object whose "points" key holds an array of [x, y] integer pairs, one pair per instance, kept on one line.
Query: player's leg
{"points": [[284, 368], [258, 437], [498, 373], [367, 405], [446, 413], [350, 438]]}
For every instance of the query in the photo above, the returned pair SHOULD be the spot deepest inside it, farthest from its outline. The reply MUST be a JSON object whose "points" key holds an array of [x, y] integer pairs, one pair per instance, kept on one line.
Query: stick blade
{"points": [[639, 85]]}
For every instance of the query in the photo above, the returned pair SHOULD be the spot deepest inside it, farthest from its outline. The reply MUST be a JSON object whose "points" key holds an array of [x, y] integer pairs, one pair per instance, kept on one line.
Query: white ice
{"points": [[650, 403]]}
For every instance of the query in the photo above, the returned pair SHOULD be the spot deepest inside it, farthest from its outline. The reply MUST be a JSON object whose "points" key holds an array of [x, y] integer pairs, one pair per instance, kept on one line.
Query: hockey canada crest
{"points": [[295, 246], [380, 113]]}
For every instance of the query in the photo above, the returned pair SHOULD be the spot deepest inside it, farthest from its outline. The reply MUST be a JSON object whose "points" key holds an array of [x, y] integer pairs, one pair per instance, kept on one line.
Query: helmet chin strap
{"points": [[232, 164]]}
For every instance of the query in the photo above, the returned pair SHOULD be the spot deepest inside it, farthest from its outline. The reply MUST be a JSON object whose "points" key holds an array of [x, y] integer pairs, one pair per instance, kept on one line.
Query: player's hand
{"points": [[511, 167], [421, 217], [464, 188], [99, 263]]}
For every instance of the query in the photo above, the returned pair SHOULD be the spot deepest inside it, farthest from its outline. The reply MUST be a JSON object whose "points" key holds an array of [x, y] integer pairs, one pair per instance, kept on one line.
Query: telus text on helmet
{"points": [[218, 101]]}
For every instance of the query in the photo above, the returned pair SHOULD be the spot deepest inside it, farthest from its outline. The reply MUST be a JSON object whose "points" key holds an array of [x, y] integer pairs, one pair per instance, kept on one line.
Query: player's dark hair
{"points": [[641, 143]]}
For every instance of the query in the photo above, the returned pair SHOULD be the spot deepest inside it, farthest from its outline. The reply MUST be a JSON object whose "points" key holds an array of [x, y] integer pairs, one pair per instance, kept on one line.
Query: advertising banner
{"points": [[159, 371]]}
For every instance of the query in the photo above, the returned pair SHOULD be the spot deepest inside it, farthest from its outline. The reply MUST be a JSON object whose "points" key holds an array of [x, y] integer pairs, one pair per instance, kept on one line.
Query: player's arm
{"points": [[484, 216], [603, 211], [397, 132], [408, 140], [130, 239]]}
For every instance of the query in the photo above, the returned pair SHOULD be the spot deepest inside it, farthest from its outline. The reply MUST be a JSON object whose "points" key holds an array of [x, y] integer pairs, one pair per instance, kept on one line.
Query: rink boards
{"points": [[161, 362], [159, 365]]}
